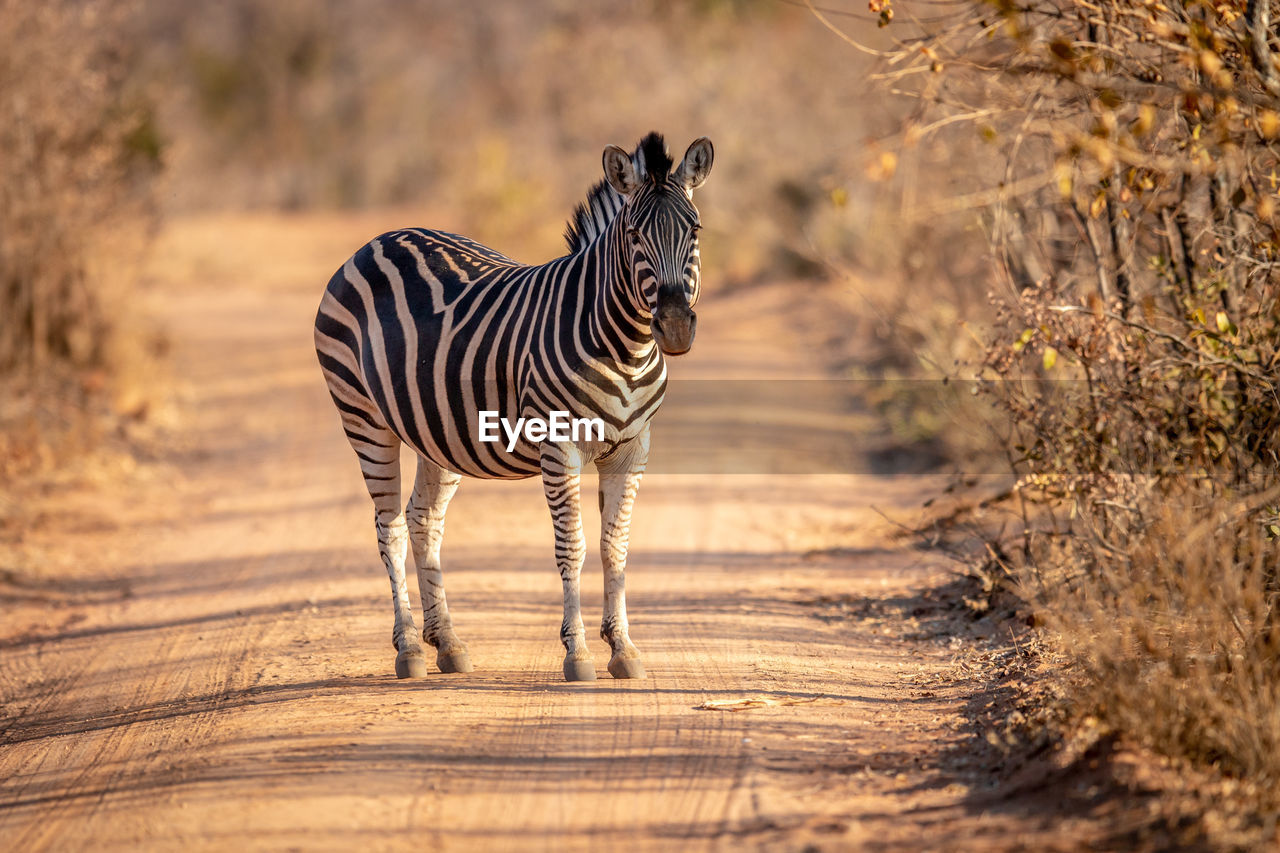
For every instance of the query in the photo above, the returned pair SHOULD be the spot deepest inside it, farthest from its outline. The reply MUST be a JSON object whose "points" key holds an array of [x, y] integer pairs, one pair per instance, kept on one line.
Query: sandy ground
{"points": [[204, 662]]}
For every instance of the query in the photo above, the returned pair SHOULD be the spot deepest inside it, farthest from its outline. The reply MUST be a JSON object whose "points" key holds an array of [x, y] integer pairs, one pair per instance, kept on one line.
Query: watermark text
{"points": [[558, 426]]}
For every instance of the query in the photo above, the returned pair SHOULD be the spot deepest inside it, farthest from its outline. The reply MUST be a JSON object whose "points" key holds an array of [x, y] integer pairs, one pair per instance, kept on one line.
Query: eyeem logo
{"points": [[558, 427]]}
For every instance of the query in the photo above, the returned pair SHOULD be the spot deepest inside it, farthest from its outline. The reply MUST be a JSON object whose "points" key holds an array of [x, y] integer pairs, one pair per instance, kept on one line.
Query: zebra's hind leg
{"points": [[561, 475], [619, 483], [379, 452], [433, 487]]}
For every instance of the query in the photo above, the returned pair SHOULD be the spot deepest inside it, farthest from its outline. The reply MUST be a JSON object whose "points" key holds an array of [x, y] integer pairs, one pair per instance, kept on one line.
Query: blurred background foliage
{"points": [[493, 116]]}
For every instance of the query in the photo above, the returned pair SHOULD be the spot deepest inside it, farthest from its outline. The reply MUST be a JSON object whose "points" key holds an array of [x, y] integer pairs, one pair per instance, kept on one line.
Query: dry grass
{"points": [[1181, 651]]}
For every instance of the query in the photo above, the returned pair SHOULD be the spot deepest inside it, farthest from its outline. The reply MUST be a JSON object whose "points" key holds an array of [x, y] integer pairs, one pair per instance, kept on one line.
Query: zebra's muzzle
{"points": [[674, 322]]}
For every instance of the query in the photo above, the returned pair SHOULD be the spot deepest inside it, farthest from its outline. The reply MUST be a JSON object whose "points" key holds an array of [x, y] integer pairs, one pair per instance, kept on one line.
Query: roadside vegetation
{"points": [[1128, 197], [81, 151]]}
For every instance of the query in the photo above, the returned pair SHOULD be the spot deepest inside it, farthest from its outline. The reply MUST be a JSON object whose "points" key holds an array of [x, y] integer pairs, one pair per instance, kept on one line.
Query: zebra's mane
{"points": [[591, 217]]}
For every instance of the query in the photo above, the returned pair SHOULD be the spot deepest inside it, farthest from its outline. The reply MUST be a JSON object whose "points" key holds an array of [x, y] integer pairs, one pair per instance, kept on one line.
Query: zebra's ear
{"points": [[619, 171], [696, 165]]}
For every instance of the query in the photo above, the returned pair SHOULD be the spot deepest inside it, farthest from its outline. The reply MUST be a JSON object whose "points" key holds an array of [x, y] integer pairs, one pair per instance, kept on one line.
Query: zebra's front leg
{"points": [[619, 482], [561, 476], [433, 488]]}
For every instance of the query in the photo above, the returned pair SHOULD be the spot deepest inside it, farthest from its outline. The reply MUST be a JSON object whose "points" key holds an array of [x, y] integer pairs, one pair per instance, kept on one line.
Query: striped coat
{"points": [[421, 331]]}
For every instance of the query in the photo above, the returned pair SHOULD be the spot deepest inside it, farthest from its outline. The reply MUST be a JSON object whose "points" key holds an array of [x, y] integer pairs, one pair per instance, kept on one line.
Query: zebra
{"points": [[420, 331]]}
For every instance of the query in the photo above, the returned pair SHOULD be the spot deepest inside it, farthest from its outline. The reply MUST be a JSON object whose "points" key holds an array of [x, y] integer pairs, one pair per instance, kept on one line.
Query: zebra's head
{"points": [[661, 227]]}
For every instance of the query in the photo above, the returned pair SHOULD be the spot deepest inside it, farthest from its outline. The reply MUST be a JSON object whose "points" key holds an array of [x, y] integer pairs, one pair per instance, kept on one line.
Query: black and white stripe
{"points": [[420, 331]]}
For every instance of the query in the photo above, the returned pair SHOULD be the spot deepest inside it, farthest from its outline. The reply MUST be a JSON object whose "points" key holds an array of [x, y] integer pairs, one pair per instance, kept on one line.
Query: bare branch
{"points": [[1258, 14]]}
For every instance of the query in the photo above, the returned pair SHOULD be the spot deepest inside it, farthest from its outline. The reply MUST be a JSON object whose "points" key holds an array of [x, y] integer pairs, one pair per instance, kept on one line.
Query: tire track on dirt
{"points": [[177, 659]]}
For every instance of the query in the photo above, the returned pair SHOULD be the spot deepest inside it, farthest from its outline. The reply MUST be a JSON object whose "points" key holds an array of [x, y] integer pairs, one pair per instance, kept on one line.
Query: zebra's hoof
{"points": [[411, 664], [579, 670], [458, 661], [620, 667]]}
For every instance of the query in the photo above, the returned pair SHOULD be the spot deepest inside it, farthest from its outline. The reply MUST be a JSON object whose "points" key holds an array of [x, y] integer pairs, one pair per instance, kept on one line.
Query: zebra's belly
{"points": [[442, 423], [492, 430]]}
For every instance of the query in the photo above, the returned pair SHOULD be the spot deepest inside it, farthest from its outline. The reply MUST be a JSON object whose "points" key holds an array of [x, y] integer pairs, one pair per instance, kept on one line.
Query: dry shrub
{"points": [[80, 148], [1179, 638], [1124, 172]]}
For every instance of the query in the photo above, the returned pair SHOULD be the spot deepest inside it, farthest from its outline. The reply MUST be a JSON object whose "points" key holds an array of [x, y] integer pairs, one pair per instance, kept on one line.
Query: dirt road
{"points": [[203, 661]]}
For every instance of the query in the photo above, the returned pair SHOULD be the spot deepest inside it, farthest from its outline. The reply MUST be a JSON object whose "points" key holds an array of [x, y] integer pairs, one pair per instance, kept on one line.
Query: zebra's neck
{"points": [[616, 323]]}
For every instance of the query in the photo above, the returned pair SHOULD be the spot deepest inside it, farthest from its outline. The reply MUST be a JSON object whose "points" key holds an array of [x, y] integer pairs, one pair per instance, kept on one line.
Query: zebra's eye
{"points": [[634, 235]]}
